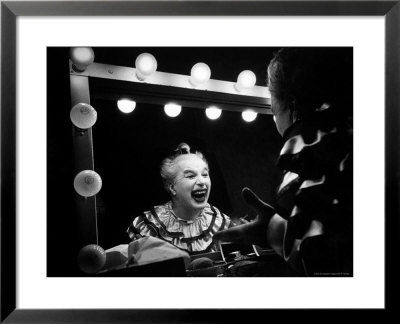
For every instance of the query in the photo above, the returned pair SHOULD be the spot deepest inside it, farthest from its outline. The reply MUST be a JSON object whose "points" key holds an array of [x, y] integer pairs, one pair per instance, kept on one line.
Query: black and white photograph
{"points": [[200, 161]]}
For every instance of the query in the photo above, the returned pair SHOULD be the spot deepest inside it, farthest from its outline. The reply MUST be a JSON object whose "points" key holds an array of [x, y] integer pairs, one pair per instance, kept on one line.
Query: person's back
{"points": [[315, 196], [311, 100]]}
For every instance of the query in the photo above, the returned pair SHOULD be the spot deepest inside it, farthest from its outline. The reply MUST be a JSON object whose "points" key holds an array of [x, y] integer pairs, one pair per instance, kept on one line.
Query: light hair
{"points": [[167, 171]]}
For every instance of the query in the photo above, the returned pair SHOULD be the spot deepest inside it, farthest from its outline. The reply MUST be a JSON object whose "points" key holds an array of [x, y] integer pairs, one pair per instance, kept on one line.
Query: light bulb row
{"points": [[84, 116], [146, 65], [174, 110], [87, 183]]}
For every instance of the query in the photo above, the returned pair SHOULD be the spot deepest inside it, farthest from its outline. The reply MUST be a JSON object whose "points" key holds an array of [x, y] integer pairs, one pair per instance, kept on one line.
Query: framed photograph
{"points": [[44, 147]]}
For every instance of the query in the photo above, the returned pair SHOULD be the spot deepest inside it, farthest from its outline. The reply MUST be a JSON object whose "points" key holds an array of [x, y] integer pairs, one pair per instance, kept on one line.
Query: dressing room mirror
{"points": [[128, 147]]}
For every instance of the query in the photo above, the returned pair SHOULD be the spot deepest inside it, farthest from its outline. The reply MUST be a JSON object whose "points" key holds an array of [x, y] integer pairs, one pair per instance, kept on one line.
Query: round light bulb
{"points": [[87, 183], [146, 65], [213, 113], [172, 110], [81, 58], [83, 115], [246, 80], [126, 105], [91, 258], [199, 74], [249, 115]]}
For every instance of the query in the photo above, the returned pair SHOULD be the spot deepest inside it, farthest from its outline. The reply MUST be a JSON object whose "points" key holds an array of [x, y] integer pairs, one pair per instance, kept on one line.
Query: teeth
{"points": [[199, 192]]}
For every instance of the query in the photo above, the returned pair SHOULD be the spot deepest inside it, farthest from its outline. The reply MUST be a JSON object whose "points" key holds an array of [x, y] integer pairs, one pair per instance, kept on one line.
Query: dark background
{"points": [[129, 147]]}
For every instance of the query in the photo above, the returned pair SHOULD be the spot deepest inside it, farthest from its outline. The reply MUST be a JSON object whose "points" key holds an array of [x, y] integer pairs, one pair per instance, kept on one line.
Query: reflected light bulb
{"points": [[87, 183], [126, 105], [146, 65], [246, 80], [249, 115], [83, 115], [213, 113], [199, 74], [81, 58], [172, 110], [91, 258]]}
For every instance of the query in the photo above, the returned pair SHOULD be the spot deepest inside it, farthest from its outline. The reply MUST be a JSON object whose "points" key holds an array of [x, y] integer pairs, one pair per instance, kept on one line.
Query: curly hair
{"points": [[167, 171], [311, 76]]}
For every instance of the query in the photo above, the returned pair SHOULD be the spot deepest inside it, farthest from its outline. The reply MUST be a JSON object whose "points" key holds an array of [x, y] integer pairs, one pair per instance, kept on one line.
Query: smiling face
{"points": [[191, 185]]}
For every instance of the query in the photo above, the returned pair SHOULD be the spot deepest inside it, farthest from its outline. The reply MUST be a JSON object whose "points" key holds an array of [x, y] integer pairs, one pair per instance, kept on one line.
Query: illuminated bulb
{"points": [[81, 58], [213, 113], [126, 105], [199, 74], [91, 258], [245, 80], [83, 115], [274, 118], [172, 110], [249, 115], [146, 65], [87, 183]]}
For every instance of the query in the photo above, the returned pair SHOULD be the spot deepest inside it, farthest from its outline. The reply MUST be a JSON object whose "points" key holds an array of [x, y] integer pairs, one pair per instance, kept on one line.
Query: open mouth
{"points": [[199, 195]]}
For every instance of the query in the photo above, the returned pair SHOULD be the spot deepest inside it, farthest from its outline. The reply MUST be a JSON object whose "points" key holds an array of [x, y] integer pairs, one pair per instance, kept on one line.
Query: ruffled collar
{"points": [[172, 213], [179, 227]]}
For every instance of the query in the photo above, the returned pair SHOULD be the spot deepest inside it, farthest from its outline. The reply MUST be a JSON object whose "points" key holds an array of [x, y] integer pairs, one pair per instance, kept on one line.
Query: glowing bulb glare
{"points": [[249, 115], [246, 80], [83, 115], [87, 183], [172, 110], [199, 74], [126, 105], [146, 65], [81, 58], [213, 113]]}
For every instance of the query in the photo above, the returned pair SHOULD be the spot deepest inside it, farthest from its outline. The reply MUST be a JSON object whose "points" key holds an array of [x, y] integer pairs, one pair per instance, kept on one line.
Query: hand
{"points": [[253, 232]]}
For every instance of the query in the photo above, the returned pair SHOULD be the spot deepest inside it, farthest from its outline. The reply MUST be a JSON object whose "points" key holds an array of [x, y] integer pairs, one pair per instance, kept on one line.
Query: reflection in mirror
{"points": [[129, 149]]}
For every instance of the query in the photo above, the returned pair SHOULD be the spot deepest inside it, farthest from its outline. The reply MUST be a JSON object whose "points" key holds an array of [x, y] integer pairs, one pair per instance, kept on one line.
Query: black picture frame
{"points": [[11, 10]]}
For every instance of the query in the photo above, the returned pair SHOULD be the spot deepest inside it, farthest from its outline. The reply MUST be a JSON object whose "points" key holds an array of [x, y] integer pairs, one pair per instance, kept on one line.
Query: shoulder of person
{"points": [[147, 215]]}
